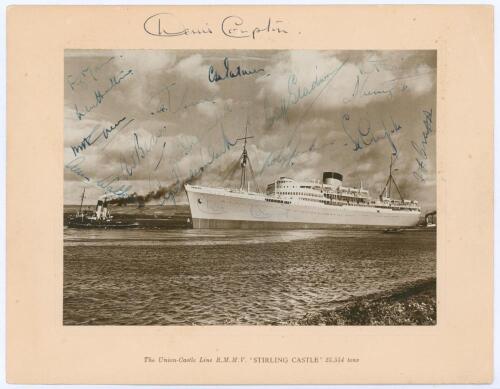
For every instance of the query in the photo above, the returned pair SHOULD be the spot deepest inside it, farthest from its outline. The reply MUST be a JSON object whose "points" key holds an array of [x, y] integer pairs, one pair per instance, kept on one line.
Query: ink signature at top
{"points": [[234, 27], [168, 25]]}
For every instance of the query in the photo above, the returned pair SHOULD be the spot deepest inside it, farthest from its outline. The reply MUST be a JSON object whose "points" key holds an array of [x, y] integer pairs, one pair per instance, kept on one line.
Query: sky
{"points": [[139, 122]]}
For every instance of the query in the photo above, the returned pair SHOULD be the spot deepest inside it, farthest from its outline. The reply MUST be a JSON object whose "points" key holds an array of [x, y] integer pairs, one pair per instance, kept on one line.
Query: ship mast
{"points": [[245, 163], [388, 184], [81, 202]]}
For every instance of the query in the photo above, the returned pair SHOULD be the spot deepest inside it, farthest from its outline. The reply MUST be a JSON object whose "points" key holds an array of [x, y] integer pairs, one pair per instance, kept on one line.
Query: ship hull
{"points": [[220, 208], [86, 224]]}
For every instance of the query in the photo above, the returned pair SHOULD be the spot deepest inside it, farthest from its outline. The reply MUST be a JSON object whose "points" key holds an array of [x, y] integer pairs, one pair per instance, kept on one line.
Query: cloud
{"points": [[195, 68], [182, 123], [332, 80]]}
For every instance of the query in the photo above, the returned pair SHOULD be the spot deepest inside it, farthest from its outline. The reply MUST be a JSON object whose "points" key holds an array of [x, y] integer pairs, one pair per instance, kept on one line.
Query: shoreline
{"points": [[413, 304]]}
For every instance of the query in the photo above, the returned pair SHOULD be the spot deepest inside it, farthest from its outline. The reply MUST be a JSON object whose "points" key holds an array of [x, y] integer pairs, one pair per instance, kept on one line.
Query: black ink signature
{"points": [[238, 71], [234, 27], [168, 25]]}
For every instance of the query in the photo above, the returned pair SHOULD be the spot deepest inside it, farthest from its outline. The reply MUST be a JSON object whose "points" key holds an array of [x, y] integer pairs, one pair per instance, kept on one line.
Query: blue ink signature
{"points": [[182, 105], [99, 96], [169, 107], [74, 166], [421, 148], [140, 152], [286, 158], [88, 73], [214, 76], [161, 156], [360, 90], [89, 140], [365, 136], [297, 92], [170, 193], [105, 184]]}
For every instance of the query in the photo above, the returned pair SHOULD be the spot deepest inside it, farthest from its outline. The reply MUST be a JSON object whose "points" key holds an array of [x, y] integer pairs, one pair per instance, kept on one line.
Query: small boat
{"points": [[393, 231], [100, 218]]}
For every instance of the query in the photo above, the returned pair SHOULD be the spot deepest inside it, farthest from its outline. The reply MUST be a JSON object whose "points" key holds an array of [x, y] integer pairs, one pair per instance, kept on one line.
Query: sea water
{"points": [[223, 277]]}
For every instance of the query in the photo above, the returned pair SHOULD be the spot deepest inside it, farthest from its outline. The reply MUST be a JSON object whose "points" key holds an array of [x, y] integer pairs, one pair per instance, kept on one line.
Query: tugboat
{"points": [[100, 218]]}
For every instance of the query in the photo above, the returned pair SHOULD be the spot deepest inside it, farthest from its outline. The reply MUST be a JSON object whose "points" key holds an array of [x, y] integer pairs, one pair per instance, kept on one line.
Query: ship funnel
{"points": [[98, 209], [333, 179], [105, 209]]}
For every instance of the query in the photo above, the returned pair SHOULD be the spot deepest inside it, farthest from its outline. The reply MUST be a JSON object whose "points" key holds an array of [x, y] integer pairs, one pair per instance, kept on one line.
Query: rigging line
{"points": [[232, 170], [396, 185], [253, 176], [385, 187]]}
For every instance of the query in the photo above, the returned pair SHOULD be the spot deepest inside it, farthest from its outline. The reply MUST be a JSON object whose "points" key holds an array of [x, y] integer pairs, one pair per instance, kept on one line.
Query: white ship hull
{"points": [[223, 208]]}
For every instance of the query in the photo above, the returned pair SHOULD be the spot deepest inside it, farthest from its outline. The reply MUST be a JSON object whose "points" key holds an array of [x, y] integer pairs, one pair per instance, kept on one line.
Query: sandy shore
{"points": [[414, 304]]}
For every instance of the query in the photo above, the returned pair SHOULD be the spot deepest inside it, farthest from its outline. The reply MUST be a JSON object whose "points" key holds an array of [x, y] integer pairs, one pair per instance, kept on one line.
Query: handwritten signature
{"points": [[214, 76], [234, 27], [99, 96], [168, 106], [285, 158], [297, 92], [169, 25], [142, 148], [421, 148], [106, 184], [171, 192], [89, 73], [361, 89], [364, 135], [89, 140]]}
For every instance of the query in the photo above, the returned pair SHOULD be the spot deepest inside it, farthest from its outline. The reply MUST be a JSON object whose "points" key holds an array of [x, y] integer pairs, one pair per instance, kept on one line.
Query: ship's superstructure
{"points": [[288, 203]]}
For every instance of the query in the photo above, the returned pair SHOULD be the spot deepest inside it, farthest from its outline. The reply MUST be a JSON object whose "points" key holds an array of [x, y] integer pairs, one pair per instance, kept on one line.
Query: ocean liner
{"points": [[288, 203]]}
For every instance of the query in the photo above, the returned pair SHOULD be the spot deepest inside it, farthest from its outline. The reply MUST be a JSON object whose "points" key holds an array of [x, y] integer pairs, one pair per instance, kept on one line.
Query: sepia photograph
{"points": [[249, 187]]}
